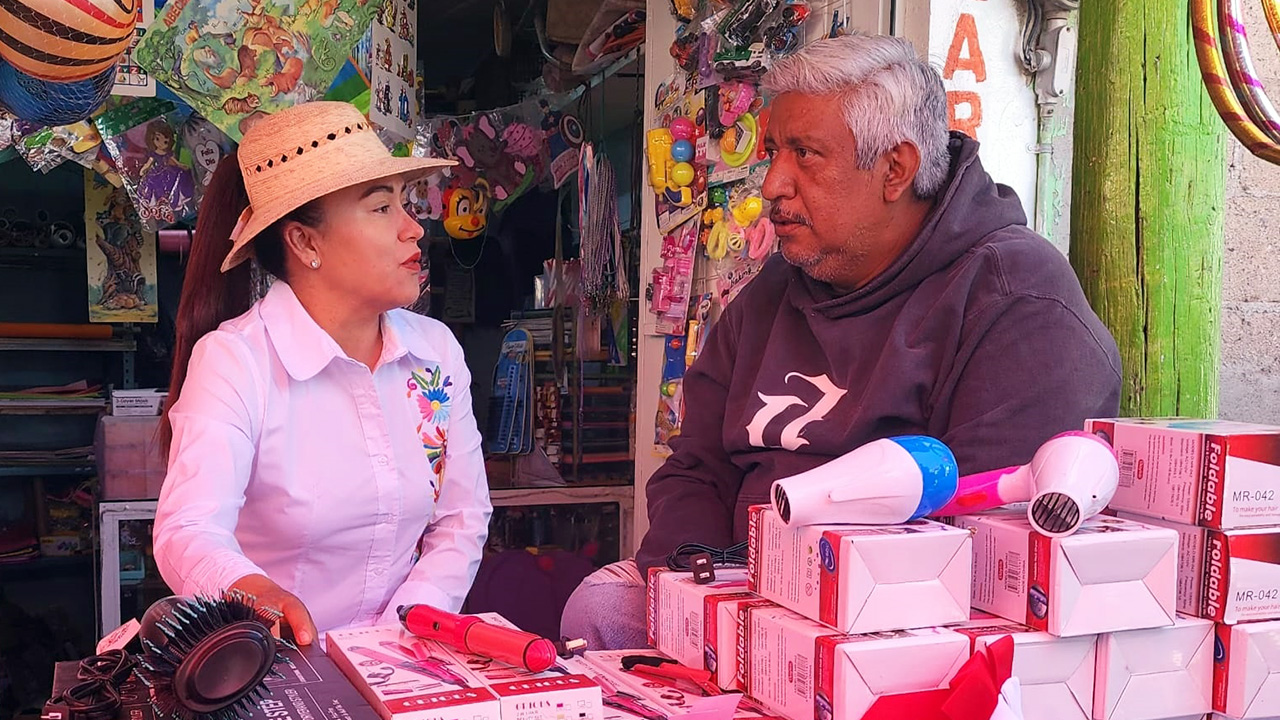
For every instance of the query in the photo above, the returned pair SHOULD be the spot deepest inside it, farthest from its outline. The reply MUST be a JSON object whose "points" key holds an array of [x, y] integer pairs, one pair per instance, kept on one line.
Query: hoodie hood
{"points": [[969, 208]]}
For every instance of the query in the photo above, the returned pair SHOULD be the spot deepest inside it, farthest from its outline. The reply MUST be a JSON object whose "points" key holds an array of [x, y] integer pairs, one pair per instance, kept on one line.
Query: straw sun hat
{"points": [[306, 152]]}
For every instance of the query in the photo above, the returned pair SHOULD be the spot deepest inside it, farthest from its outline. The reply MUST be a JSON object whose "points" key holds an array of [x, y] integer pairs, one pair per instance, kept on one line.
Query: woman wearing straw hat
{"points": [[323, 454]]}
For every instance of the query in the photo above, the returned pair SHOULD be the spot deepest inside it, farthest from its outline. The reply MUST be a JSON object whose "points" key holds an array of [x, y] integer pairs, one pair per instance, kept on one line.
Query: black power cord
{"points": [[682, 558], [97, 696]]}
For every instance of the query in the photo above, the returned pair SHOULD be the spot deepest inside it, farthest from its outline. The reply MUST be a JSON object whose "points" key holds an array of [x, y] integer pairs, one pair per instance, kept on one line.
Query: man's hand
{"points": [[269, 594]]}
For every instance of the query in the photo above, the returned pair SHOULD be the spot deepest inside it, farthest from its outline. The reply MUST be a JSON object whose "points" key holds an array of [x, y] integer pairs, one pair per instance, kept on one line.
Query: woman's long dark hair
{"points": [[210, 297]]}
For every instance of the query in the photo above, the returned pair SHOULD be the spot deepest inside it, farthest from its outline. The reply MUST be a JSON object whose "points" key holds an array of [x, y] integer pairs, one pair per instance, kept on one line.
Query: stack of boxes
{"points": [[1166, 608], [1217, 484]]}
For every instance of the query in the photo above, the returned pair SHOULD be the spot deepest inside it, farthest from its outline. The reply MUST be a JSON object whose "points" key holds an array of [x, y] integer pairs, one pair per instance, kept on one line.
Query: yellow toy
{"points": [[466, 211]]}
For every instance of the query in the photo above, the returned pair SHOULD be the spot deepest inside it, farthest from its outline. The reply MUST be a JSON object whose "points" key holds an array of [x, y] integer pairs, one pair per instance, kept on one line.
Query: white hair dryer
{"points": [[1070, 479], [885, 482]]}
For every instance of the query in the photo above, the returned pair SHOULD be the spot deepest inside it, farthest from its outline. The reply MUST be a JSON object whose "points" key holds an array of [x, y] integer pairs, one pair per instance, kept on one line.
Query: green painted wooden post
{"points": [[1147, 202]]}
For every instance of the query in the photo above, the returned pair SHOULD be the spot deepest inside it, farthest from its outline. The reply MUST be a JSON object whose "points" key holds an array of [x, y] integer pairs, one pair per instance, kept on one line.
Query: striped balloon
{"points": [[65, 40], [52, 103]]}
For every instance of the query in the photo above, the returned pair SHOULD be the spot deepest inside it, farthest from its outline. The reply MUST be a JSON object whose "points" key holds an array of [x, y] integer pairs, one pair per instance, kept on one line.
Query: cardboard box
{"points": [[1158, 674], [648, 699], [138, 403], [1056, 674], [801, 669], [860, 579], [131, 464], [1246, 671], [722, 613], [677, 617], [1228, 576], [311, 688], [424, 680], [1215, 473], [1110, 575]]}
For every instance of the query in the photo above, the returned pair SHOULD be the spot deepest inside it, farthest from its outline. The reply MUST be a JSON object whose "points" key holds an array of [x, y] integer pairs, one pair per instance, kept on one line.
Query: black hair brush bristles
{"points": [[208, 659]]}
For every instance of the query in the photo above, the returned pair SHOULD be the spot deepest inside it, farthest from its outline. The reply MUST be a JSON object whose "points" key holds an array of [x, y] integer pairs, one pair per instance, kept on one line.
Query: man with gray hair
{"points": [[910, 298]]}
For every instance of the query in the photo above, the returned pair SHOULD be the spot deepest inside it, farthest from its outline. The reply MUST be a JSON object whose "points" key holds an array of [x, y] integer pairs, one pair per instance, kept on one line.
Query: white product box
{"points": [[425, 680], [1215, 473], [722, 619], [1228, 576], [137, 403], [648, 699], [1157, 674], [860, 579], [1246, 671], [1110, 575], [801, 669], [676, 617], [1056, 674]]}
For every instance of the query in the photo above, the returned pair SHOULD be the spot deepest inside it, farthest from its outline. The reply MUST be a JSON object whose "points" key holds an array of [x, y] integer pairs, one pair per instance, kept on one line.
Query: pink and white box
{"points": [[1246, 672], [1156, 674], [1056, 674], [676, 618], [722, 621], [1215, 473], [1110, 575], [801, 669], [860, 579]]}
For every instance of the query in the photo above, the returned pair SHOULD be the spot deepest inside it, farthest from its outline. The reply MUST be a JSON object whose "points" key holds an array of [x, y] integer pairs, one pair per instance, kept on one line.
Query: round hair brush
{"points": [[208, 659]]}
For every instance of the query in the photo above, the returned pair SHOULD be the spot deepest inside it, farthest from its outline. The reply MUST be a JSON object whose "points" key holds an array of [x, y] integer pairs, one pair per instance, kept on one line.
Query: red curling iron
{"points": [[470, 634]]}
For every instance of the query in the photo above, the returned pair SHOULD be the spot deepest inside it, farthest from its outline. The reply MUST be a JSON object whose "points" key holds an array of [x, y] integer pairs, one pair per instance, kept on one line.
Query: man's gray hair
{"points": [[890, 96]]}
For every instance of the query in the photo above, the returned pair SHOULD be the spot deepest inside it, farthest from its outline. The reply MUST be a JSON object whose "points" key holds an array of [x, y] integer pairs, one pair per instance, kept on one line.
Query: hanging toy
{"points": [[735, 99], [783, 38], [466, 211], [66, 40], [44, 102], [748, 211], [739, 141], [207, 659], [670, 180]]}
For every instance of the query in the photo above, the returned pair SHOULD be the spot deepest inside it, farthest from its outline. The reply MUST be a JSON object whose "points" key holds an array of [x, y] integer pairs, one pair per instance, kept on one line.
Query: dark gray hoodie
{"points": [[978, 335]]}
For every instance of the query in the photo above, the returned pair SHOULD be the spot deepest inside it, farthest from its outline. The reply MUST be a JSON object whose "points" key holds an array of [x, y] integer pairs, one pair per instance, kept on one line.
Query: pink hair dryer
{"points": [[1071, 478]]}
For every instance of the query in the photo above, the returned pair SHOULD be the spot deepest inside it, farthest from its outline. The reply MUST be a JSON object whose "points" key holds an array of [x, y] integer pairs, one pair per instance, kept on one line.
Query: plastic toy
{"points": [[748, 211], [682, 128], [682, 151], [739, 26], [659, 151], [683, 10], [749, 63], [682, 174], [466, 211], [735, 99], [739, 142], [63, 41], [783, 37], [685, 51]]}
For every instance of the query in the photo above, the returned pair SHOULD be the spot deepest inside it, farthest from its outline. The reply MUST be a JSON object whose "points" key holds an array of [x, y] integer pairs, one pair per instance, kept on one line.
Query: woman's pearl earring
{"points": [[315, 264]]}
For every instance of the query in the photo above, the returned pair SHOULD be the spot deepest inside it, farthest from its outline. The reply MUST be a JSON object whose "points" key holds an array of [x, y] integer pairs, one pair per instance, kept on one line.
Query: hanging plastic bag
{"points": [[143, 139]]}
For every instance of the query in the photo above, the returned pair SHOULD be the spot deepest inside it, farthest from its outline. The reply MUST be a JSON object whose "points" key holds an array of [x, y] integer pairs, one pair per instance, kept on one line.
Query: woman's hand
{"points": [[269, 594]]}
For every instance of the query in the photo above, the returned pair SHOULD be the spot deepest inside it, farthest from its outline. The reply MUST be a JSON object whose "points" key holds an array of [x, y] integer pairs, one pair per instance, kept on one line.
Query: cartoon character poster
{"points": [[500, 157], [144, 139], [131, 78], [237, 61], [563, 135], [120, 253], [395, 65]]}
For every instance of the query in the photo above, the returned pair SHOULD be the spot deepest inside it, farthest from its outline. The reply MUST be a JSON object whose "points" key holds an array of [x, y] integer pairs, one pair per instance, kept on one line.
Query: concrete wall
{"points": [[1250, 374]]}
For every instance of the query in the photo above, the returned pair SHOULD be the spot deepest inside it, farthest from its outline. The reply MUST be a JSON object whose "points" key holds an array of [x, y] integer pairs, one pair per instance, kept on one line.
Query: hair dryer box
{"points": [[630, 696], [1110, 575], [801, 669], [1246, 671], [1215, 473], [722, 618], [1228, 576], [405, 677], [1056, 674], [1156, 674], [678, 617], [860, 579]]}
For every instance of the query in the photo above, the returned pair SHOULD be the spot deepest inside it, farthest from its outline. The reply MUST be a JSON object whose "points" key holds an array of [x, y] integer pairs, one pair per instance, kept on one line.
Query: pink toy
{"points": [[735, 99], [682, 128]]}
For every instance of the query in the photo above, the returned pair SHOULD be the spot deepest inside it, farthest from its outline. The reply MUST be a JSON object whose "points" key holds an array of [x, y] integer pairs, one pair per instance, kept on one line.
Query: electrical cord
{"points": [[734, 556], [97, 696]]}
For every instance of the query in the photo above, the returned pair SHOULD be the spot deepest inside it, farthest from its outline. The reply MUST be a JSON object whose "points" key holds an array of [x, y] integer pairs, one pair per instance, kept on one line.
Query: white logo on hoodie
{"points": [[775, 405]]}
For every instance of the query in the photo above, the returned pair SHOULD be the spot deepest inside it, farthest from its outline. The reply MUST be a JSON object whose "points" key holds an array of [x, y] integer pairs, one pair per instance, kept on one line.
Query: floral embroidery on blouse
{"points": [[430, 390]]}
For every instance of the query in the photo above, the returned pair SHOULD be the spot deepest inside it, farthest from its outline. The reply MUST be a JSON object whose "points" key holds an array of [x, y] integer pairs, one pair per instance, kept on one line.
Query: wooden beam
{"points": [[1147, 202]]}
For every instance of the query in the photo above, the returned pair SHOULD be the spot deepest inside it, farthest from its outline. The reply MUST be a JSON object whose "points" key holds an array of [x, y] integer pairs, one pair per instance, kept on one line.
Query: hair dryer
{"points": [[885, 482], [470, 634], [1070, 479]]}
